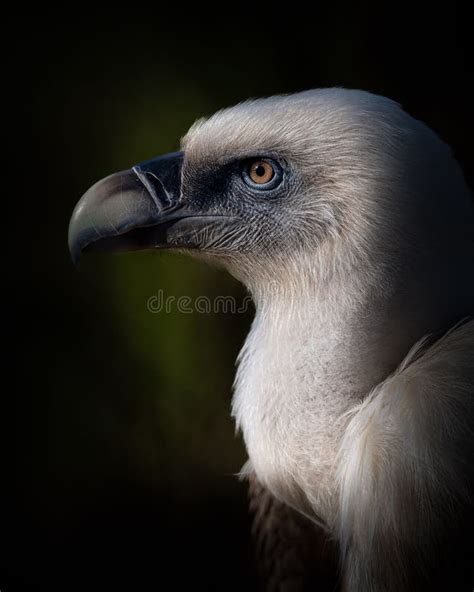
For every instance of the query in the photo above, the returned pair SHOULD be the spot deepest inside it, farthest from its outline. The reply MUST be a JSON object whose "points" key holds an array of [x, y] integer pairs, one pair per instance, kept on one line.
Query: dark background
{"points": [[125, 453]]}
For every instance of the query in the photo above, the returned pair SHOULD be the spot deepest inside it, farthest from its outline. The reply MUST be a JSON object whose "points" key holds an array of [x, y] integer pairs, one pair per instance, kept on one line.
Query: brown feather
{"points": [[293, 554]]}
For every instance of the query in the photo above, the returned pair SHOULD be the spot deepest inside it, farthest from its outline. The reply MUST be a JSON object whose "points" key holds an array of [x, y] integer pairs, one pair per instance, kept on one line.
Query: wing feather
{"points": [[406, 467]]}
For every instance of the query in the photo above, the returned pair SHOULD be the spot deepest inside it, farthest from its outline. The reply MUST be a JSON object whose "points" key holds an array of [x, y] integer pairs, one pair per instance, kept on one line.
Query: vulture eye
{"points": [[262, 173]]}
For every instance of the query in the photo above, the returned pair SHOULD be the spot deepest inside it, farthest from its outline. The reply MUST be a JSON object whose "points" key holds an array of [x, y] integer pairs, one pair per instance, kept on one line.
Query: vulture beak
{"points": [[129, 210]]}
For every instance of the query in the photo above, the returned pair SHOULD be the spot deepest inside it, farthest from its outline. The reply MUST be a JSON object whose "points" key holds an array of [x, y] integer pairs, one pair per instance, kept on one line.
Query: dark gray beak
{"points": [[129, 210]]}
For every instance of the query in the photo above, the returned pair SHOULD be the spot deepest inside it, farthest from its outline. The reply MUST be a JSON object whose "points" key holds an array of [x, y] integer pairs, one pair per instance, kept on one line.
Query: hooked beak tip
{"points": [[118, 212]]}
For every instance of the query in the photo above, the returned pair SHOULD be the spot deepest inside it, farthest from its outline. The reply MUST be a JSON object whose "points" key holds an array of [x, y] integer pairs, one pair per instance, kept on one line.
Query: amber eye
{"points": [[261, 172]]}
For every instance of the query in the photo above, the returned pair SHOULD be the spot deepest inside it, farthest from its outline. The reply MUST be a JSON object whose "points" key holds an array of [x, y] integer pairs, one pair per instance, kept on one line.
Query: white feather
{"points": [[378, 252]]}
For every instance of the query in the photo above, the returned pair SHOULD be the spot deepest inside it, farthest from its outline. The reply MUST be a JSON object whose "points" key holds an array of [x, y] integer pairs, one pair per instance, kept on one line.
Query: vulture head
{"points": [[292, 193], [352, 227]]}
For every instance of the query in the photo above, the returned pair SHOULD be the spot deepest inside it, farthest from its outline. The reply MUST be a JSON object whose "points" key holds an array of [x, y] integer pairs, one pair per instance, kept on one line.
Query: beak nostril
{"points": [[154, 186]]}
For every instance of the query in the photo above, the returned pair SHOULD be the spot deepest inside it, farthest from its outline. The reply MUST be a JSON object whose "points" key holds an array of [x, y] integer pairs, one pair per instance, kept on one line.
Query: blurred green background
{"points": [[126, 452]]}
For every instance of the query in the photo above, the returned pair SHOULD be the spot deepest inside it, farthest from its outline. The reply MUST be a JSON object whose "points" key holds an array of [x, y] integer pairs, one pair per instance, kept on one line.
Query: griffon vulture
{"points": [[352, 227]]}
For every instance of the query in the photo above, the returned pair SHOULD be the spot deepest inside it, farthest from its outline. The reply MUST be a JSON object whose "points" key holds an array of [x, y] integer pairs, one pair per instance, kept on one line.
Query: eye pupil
{"points": [[261, 172]]}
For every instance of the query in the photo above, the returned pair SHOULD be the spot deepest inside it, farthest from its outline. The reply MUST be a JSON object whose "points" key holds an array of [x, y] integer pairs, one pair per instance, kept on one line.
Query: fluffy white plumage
{"points": [[404, 467], [383, 256]]}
